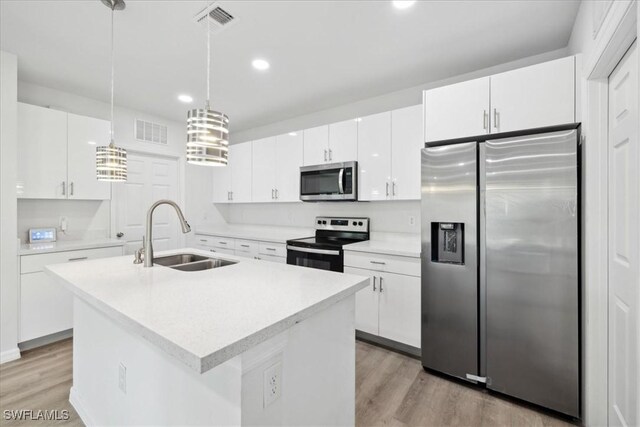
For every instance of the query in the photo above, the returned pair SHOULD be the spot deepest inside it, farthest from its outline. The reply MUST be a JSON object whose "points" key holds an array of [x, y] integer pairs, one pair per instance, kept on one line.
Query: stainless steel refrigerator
{"points": [[500, 264]]}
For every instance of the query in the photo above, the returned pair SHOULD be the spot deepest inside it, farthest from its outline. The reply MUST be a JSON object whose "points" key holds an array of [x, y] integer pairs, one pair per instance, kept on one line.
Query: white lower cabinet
{"points": [[254, 249], [45, 306], [390, 306]]}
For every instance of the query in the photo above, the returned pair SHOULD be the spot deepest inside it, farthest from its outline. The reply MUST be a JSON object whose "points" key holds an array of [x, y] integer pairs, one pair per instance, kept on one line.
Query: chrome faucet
{"points": [[147, 248]]}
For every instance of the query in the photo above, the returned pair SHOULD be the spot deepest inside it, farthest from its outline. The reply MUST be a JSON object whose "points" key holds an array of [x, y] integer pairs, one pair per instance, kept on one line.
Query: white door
{"points": [[406, 145], [241, 171], [289, 159], [149, 179], [42, 156], [536, 96], [221, 177], [624, 238], [316, 145], [366, 302], [264, 170], [374, 157], [343, 141], [457, 110], [84, 134], [399, 317]]}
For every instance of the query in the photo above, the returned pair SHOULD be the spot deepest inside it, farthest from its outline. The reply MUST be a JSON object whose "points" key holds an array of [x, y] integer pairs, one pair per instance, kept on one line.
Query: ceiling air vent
{"points": [[218, 18], [151, 132]]}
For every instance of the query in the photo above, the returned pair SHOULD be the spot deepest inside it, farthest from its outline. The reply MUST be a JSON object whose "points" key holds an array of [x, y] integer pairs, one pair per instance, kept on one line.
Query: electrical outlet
{"points": [[272, 385], [63, 223], [412, 220], [122, 378]]}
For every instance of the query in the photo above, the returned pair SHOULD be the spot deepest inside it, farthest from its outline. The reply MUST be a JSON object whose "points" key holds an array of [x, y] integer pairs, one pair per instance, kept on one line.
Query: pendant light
{"points": [[111, 161], [207, 130]]}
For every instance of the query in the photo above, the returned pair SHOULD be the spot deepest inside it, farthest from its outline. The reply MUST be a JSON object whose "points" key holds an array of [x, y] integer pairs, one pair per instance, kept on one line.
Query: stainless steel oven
{"points": [[329, 182], [323, 259]]}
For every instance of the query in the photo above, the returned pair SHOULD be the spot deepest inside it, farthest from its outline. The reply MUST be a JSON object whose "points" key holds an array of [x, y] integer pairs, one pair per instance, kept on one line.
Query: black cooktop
{"points": [[321, 242], [333, 233]]}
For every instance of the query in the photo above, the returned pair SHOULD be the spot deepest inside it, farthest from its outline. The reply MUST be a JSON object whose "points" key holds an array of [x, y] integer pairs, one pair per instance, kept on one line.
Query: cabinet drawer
{"points": [[272, 258], [247, 247], [35, 263], [385, 263], [45, 306], [215, 241], [224, 251], [277, 249]]}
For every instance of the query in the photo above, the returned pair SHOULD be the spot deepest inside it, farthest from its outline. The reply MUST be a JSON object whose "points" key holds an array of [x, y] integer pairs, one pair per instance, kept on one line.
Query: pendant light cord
{"points": [[208, 59], [112, 73]]}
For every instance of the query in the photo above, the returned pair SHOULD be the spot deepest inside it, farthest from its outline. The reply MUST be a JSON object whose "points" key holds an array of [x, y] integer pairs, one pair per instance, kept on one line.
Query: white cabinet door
{"points": [[531, 97], [264, 169], [222, 184], [289, 149], [456, 111], [45, 306], [406, 146], [366, 303], [399, 314], [84, 135], [316, 145], [240, 162], [42, 153], [374, 157], [343, 141]]}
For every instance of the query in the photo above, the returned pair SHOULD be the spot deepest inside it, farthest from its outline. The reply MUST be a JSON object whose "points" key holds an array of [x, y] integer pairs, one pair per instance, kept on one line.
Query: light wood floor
{"points": [[391, 390]]}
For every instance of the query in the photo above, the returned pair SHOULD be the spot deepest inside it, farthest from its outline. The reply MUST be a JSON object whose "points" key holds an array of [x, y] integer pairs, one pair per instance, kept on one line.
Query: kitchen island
{"points": [[252, 343]]}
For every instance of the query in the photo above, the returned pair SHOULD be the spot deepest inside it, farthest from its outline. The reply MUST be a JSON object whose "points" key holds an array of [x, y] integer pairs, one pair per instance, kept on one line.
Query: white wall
{"points": [[8, 208]]}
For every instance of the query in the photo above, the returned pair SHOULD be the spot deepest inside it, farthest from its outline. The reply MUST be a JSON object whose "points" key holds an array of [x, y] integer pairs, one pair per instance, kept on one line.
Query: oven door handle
{"points": [[313, 251], [340, 178]]}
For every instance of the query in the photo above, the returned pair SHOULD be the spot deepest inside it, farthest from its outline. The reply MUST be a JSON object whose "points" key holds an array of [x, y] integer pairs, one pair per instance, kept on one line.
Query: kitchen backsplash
{"points": [[387, 216], [86, 219]]}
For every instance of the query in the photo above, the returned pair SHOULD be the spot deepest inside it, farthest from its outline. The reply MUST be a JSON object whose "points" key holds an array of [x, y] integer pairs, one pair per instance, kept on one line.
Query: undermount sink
{"points": [[191, 262]]}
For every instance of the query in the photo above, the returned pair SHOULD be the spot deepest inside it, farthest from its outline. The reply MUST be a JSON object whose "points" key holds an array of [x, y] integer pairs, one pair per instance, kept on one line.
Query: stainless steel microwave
{"points": [[329, 182]]}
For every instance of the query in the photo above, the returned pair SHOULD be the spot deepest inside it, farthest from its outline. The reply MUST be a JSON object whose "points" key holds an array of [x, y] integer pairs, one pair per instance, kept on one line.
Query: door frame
{"points": [[181, 193], [617, 33]]}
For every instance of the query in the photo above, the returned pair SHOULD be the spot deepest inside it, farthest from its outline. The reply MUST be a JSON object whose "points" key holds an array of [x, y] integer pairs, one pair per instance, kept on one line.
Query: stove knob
{"points": [[355, 223], [360, 223], [319, 222], [324, 222]]}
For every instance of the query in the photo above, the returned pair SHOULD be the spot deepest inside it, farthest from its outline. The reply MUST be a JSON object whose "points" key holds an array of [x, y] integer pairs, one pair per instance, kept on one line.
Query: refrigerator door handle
{"points": [[482, 267]]}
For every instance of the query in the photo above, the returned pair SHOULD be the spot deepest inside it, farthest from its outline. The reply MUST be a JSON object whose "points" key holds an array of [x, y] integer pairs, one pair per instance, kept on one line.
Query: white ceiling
{"points": [[322, 53]]}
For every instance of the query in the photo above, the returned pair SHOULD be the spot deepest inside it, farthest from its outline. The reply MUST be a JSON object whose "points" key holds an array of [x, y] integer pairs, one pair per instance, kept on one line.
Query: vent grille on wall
{"points": [[151, 132], [219, 18]]}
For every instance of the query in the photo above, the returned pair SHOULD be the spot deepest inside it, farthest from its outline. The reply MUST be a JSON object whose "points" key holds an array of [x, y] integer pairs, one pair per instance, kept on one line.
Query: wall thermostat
{"points": [[42, 235]]}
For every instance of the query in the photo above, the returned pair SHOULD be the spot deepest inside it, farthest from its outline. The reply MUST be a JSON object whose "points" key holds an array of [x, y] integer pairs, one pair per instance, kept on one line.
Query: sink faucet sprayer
{"points": [[147, 248]]}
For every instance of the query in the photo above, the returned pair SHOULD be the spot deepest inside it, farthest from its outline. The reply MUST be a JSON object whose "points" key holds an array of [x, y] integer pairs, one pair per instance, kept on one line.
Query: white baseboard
{"points": [[76, 402], [9, 355]]}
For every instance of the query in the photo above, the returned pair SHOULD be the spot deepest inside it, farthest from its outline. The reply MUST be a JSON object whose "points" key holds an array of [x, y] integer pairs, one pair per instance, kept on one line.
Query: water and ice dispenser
{"points": [[447, 242]]}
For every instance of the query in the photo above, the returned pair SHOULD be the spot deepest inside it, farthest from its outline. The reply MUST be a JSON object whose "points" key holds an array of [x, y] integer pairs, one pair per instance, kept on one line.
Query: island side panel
{"points": [[159, 389], [317, 357]]}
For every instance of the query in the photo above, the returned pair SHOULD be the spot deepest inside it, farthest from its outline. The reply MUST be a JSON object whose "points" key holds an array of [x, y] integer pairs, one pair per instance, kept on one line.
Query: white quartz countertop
{"points": [[207, 317], [265, 233], [402, 244], [67, 245]]}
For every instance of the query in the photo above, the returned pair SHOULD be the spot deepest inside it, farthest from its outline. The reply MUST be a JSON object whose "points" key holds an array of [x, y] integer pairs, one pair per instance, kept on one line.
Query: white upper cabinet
{"points": [[57, 156], [457, 111], [343, 141], [221, 184], [289, 148], [84, 134], [536, 96], [531, 97], [42, 154], [316, 145], [264, 170], [374, 157], [406, 146], [240, 163]]}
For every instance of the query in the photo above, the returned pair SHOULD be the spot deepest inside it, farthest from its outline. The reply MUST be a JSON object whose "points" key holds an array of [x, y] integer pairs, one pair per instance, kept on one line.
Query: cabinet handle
{"points": [[212, 250], [378, 262], [485, 118], [330, 154], [203, 240], [387, 188], [64, 188], [273, 192], [277, 195], [271, 249], [325, 155], [374, 283], [228, 195], [393, 188], [244, 246], [231, 193], [495, 118], [71, 189], [80, 258], [381, 284], [223, 243]]}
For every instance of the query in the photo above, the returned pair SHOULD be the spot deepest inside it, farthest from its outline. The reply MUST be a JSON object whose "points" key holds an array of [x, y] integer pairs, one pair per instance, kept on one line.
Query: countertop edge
{"points": [[407, 254]]}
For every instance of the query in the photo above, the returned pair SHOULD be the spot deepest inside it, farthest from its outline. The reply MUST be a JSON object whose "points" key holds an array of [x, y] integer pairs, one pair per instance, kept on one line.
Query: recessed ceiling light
{"points": [[292, 133], [91, 142], [358, 119], [260, 64], [185, 98], [403, 4]]}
